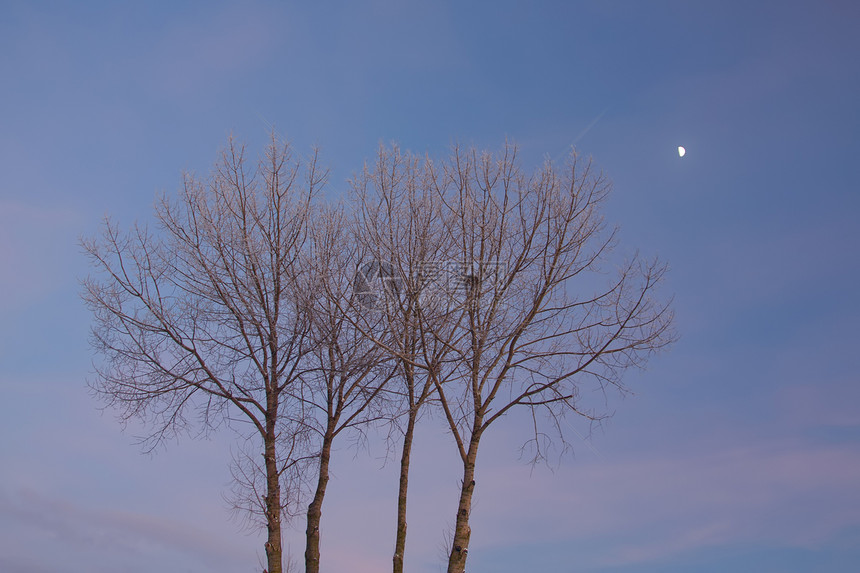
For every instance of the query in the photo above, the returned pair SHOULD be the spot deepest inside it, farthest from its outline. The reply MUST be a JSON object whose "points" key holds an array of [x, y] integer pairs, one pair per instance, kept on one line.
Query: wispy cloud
{"points": [[828, 403], [115, 536], [640, 510], [35, 244], [196, 54]]}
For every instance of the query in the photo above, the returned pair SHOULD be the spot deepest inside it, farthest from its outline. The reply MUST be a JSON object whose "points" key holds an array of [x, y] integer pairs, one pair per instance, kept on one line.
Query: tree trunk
{"points": [[312, 547], [462, 531], [400, 543], [273, 506]]}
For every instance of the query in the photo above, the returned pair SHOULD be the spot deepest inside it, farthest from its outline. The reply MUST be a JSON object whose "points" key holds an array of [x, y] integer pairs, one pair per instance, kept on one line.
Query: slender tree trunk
{"points": [[462, 531], [400, 543], [312, 548], [273, 504]]}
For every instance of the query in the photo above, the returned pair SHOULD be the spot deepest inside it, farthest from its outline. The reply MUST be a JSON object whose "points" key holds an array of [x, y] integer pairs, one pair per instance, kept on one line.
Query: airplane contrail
{"points": [[581, 135], [589, 126]]}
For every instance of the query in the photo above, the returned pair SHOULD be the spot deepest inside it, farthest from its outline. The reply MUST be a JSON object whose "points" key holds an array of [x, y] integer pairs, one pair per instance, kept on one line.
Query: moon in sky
{"points": [[681, 151]]}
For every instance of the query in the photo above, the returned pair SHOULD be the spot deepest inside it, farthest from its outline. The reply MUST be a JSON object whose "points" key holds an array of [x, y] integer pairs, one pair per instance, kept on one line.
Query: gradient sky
{"points": [[740, 450]]}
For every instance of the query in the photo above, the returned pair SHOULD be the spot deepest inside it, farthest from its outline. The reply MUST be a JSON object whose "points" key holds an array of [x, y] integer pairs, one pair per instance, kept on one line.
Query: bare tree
{"points": [[345, 389], [522, 315], [200, 318], [536, 328], [398, 223]]}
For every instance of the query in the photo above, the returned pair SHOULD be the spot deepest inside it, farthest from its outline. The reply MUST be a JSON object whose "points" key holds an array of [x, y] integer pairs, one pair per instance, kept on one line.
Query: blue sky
{"points": [[741, 448]]}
